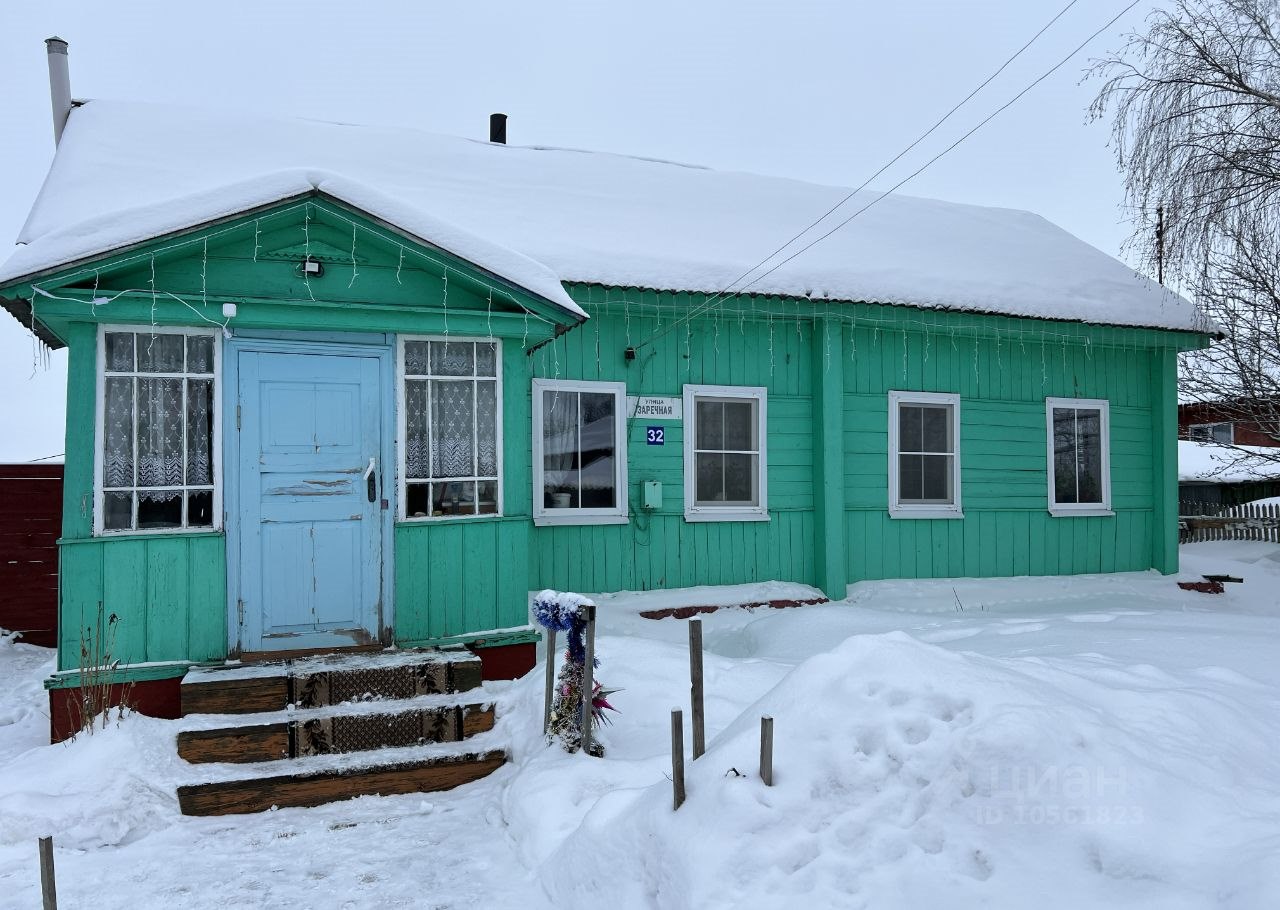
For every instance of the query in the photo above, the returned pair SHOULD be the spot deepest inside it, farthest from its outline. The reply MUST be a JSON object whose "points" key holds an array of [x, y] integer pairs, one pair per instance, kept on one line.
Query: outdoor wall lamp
{"points": [[310, 268]]}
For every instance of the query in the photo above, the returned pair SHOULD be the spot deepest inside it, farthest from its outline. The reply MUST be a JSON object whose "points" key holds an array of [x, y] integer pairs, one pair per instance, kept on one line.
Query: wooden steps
{"points": [[320, 787], [334, 734], [313, 730], [319, 681]]}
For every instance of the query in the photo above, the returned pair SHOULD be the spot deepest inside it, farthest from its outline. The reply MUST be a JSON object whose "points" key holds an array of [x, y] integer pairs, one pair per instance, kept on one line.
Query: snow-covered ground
{"points": [[1090, 742]]}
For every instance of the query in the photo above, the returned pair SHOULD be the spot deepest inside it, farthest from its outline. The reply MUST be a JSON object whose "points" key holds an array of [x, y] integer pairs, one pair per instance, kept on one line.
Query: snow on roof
{"points": [[1213, 463], [126, 168], [140, 223]]}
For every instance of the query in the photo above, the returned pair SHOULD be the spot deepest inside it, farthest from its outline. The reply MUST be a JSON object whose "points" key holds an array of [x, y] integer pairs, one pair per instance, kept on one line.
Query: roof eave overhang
{"points": [[20, 308]]}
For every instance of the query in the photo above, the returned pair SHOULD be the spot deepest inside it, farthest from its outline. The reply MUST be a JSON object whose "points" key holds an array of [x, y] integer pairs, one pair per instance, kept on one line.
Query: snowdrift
{"points": [[907, 775]]}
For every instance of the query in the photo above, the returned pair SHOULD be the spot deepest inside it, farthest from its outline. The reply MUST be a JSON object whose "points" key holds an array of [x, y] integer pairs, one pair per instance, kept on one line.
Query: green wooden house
{"points": [[333, 386]]}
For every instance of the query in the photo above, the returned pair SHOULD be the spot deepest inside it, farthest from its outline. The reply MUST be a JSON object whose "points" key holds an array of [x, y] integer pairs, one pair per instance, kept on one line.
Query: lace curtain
{"points": [[451, 410], [157, 433]]}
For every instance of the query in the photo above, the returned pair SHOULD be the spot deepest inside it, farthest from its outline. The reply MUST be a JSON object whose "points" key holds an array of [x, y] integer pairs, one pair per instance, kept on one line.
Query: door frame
{"points": [[379, 346]]}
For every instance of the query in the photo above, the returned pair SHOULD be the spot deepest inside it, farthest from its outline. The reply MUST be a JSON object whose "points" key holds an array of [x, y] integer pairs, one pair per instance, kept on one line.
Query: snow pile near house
{"points": [[23, 725], [101, 790], [1209, 461], [587, 217], [907, 775]]}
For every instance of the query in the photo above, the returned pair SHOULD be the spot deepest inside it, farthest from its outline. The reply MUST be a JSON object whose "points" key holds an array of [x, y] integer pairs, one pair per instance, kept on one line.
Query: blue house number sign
{"points": [[656, 436]]}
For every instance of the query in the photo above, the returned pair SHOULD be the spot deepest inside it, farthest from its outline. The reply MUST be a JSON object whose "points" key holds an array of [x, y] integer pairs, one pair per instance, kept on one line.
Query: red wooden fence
{"points": [[30, 523]]}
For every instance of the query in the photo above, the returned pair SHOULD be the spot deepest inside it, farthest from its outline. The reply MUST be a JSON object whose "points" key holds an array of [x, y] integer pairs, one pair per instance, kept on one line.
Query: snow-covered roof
{"points": [[142, 222], [1214, 463], [125, 168]]}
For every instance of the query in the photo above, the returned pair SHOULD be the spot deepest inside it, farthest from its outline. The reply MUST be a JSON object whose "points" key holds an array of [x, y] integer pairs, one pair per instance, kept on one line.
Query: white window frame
{"points": [[693, 512], [1068, 509], [1208, 429], [898, 509], [618, 514], [99, 437], [402, 436]]}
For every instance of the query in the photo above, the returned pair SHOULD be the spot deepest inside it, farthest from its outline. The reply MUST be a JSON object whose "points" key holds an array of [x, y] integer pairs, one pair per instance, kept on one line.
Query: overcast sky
{"points": [[821, 91]]}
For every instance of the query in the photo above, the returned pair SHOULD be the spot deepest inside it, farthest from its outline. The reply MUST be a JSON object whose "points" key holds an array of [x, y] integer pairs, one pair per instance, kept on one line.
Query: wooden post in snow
{"points": [[677, 757], [766, 750], [48, 890], [551, 680], [695, 687], [588, 676]]}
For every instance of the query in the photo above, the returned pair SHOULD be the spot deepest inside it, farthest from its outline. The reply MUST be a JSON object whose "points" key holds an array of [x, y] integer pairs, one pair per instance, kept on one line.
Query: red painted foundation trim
{"points": [[689, 612], [153, 697], [506, 661]]}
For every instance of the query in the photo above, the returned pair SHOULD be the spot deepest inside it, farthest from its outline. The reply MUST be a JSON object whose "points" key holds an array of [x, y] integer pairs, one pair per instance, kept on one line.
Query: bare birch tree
{"points": [[1195, 101]]}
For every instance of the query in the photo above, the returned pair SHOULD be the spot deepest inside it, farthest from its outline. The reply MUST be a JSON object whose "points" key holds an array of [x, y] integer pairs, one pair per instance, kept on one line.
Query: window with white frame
{"points": [[724, 453], [1222, 433], [579, 452], [157, 461], [924, 455], [450, 417], [1079, 456]]}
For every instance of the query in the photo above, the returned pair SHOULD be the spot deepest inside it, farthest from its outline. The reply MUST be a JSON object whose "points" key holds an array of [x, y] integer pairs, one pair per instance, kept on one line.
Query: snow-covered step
{"points": [[328, 680], [319, 785], [334, 732]]}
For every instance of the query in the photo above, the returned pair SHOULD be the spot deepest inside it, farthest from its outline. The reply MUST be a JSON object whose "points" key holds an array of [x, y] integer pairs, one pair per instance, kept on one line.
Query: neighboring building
{"points": [[1211, 474], [1241, 423], [30, 520], [381, 399]]}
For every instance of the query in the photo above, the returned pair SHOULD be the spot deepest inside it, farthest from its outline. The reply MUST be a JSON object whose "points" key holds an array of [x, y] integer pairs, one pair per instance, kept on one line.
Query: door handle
{"points": [[371, 479]]}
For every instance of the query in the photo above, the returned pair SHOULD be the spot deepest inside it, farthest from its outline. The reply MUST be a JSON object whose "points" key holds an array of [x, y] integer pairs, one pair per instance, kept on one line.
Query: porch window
{"points": [[924, 455], [158, 461], [724, 453], [450, 417], [579, 452], [1079, 456]]}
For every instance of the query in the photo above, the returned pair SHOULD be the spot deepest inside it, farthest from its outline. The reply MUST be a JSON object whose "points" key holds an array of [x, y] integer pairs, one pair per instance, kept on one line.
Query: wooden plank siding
{"points": [[168, 593], [30, 522], [827, 368], [1003, 369], [662, 550]]}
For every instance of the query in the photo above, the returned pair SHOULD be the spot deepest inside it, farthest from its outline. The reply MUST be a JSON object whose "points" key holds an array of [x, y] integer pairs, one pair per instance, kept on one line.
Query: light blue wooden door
{"points": [[310, 486]]}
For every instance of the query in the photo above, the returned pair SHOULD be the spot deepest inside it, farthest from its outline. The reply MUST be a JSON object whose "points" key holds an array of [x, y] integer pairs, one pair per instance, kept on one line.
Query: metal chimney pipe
{"points": [[59, 84], [498, 128]]}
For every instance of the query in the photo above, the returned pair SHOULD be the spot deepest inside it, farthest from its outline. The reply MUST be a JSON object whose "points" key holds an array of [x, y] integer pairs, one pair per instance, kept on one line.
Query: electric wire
{"points": [[706, 306]]}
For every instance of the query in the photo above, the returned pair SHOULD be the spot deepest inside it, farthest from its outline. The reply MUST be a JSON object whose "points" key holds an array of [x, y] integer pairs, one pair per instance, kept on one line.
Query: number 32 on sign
{"points": [[656, 436]]}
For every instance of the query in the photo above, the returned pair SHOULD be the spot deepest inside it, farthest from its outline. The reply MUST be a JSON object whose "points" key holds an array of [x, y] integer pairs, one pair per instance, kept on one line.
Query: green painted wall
{"points": [[168, 593], [827, 368]]}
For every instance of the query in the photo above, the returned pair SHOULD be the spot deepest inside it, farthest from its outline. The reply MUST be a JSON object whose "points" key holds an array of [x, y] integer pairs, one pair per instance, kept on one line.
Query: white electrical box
{"points": [[652, 495]]}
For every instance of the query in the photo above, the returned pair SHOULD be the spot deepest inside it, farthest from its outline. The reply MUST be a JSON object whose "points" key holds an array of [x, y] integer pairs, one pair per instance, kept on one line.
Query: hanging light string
{"points": [[203, 240]]}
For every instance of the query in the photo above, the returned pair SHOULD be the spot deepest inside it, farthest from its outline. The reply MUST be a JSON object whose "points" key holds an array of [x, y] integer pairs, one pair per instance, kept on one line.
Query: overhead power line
{"points": [[706, 306]]}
